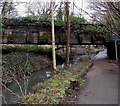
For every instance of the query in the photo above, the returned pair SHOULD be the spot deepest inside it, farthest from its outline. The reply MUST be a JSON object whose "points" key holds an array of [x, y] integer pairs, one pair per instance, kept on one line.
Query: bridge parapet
{"points": [[42, 35]]}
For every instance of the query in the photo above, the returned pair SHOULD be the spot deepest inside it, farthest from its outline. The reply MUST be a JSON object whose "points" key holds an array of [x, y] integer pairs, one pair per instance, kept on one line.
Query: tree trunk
{"points": [[68, 34], [53, 39]]}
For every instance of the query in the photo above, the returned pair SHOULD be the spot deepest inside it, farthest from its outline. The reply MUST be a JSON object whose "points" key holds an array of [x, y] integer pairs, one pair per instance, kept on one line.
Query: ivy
{"points": [[77, 25], [24, 21]]}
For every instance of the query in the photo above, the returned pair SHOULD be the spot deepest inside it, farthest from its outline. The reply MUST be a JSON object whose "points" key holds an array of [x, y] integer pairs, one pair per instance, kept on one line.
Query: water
{"points": [[41, 75], [34, 79], [100, 55], [78, 58]]}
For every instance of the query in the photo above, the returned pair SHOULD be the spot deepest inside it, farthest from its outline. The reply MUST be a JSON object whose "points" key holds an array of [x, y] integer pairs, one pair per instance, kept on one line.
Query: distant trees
{"points": [[40, 9]]}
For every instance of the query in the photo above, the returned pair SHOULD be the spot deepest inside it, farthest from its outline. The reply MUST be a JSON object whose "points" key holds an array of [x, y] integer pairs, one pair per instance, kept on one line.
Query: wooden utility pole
{"points": [[53, 39], [68, 33]]}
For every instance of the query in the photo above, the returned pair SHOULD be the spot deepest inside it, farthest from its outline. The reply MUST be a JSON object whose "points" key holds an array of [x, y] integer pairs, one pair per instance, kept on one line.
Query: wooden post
{"points": [[53, 39], [68, 33]]}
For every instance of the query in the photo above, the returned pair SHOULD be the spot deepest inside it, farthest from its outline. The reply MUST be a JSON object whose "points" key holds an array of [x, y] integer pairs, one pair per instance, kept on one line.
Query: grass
{"points": [[57, 88], [25, 48]]}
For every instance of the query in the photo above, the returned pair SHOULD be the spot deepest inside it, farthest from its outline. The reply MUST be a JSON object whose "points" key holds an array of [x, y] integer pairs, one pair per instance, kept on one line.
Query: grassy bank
{"points": [[57, 88], [18, 61], [25, 48]]}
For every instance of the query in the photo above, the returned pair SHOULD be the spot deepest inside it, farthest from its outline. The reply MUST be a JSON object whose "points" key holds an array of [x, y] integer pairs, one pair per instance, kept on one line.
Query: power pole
{"points": [[68, 33], [53, 39]]}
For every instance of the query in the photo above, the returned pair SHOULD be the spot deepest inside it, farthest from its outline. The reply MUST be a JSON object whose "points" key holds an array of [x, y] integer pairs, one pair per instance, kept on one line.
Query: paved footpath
{"points": [[101, 84]]}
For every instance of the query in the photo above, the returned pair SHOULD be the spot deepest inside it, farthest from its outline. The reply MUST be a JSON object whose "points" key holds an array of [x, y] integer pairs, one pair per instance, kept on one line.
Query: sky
{"points": [[80, 3]]}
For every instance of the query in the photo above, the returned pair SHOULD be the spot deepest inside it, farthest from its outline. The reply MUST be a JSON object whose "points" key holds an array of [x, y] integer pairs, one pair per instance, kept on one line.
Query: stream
{"points": [[34, 78], [37, 77]]}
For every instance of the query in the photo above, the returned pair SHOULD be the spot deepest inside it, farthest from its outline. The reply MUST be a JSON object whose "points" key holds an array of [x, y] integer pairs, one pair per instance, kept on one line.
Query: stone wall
{"points": [[37, 34], [33, 34], [24, 34]]}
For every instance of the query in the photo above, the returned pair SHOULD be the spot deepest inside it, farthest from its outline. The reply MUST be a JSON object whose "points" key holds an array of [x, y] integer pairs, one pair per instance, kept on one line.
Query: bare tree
{"points": [[108, 13], [22, 83], [7, 9], [40, 9]]}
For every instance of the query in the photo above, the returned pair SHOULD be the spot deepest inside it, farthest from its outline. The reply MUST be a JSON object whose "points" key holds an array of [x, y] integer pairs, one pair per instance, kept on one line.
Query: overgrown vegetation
{"points": [[79, 28], [17, 59], [25, 48], [18, 62], [62, 84], [31, 49], [23, 59], [77, 25], [44, 38]]}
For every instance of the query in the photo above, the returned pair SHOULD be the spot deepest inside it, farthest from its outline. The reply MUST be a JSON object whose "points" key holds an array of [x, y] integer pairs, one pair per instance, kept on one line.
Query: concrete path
{"points": [[101, 84]]}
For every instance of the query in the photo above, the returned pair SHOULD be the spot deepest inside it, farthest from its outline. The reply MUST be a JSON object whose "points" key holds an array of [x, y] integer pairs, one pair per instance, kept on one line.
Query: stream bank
{"points": [[40, 76], [57, 88], [33, 62]]}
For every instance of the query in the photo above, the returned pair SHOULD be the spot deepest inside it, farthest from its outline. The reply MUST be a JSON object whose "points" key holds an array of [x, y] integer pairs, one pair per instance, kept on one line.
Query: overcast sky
{"points": [[80, 3]]}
